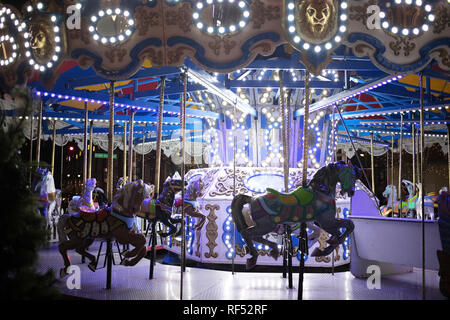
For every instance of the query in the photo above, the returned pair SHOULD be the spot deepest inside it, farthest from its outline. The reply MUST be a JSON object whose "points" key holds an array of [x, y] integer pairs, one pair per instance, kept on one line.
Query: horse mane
{"points": [[192, 186], [123, 194], [321, 178]]}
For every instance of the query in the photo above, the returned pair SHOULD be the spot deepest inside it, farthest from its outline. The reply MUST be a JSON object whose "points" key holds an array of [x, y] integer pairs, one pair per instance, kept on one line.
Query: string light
{"points": [[126, 33], [220, 29], [55, 21], [293, 32], [429, 19]]}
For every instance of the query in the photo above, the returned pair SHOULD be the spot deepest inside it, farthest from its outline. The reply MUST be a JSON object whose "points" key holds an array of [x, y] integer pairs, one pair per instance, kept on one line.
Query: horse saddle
{"points": [[89, 222], [187, 203], [288, 207], [300, 196], [90, 215], [148, 209]]}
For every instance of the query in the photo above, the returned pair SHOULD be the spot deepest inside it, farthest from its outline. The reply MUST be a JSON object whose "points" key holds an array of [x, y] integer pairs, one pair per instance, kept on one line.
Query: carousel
{"points": [[291, 137]]}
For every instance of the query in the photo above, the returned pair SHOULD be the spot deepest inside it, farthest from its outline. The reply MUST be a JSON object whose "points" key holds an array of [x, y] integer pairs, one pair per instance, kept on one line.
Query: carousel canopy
{"points": [[236, 54]]}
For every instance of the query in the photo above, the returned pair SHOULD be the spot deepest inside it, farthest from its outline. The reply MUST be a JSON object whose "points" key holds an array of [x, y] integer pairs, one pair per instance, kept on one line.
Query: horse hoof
{"points": [[316, 253], [124, 262], [62, 272], [274, 254], [91, 266], [333, 240], [251, 263]]}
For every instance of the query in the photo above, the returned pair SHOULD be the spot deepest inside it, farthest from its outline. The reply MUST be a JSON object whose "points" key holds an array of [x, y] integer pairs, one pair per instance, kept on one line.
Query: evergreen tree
{"points": [[22, 229]]}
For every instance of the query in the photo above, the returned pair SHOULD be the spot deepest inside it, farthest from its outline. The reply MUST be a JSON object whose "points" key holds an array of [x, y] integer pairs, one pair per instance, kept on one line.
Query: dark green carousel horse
{"points": [[315, 203]]}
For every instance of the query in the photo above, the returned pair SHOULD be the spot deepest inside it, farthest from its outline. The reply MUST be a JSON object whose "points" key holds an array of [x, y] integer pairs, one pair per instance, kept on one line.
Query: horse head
{"points": [[387, 191], [90, 184], [409, 187], [131, 196], [347, 175], [121, 183], [174, 184], [194, 188]]}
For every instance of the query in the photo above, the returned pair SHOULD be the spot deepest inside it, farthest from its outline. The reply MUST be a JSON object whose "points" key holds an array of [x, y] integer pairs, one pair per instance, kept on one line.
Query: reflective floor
{"points": [[132, 283]]}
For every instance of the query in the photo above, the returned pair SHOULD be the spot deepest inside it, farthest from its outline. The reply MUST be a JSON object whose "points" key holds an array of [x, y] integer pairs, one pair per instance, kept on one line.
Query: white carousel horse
{"points": [[85, 200], [43, 185], [54, 214], [415, 201], [393, 206]]}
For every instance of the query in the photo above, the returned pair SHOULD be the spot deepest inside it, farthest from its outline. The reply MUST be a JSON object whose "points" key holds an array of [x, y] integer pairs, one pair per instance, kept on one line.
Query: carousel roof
{"points": [[373, 88]]}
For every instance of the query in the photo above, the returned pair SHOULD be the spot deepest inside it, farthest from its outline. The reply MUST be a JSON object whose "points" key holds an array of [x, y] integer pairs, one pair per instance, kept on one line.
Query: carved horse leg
{"points": [[195, 213], [169, 222], [82, 250], [263, 226], [63, 247], [275, 253], [333, 226], [137, 240]]}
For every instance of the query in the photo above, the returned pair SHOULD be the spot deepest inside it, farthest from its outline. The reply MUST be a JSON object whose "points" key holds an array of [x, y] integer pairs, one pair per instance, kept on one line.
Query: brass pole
{"points": [[303, 233], [283, 132], [392, 160], [111, 142], [334, 136], [305, 132], [91, 134], [157, 168], [448, 153], [53, 147], [413, 138], [372, 163], [233, 240], [400, 160], [159, 133], [183, 214], [422, 149], [85, 143], [124, 166], [31, 143], [143, 158], [62, 165], [38, 145], [130, 148]]}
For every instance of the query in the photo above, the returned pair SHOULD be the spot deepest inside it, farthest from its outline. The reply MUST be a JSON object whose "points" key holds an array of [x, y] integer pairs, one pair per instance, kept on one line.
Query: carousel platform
{"points": [[132, 283]]}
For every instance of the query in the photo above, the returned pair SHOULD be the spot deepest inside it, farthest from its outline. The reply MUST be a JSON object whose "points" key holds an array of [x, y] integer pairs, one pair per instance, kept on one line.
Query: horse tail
{"points": [[60, 227], [236, 211]]}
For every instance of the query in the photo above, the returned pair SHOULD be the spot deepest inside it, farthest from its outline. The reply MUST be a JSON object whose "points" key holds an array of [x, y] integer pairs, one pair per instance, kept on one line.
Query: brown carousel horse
{"points": [[193, 191], [116, 222]]}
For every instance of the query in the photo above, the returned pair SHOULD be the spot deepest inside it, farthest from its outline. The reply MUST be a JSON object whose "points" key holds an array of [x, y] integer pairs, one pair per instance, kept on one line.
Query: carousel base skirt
{"points": [[132, 283]]}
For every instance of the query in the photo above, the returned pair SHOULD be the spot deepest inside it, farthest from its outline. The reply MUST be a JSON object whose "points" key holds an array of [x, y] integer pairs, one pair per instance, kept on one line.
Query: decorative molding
{"points": [[211, 230]]}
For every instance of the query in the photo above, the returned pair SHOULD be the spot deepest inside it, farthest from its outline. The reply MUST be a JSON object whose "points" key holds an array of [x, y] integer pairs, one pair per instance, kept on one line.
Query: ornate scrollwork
{"points": [[176, 55], [442, 18], [211, 231], [145, 17], [155, 56], [443, 55], [224, 185], [261, 13], [402, 43], [181, 16], [115, 52], [219, 41], [359, 12]]}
